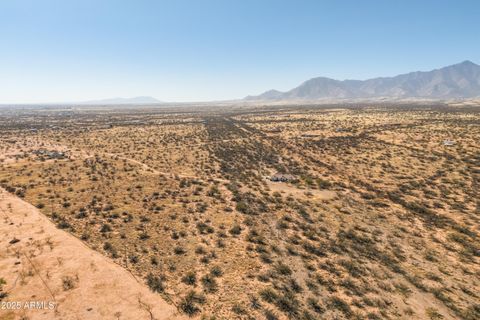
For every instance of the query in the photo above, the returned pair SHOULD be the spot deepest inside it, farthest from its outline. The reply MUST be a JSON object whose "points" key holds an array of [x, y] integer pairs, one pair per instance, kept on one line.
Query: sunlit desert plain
{"points": [[274, 212]]}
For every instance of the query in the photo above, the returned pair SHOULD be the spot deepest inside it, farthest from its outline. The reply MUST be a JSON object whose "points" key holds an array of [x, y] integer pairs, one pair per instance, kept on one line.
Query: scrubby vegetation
{"points": [[376, 211]]}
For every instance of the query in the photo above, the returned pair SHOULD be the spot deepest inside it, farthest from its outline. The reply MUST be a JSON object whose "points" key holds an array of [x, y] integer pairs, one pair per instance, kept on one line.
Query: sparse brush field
{"points": [[380, 219]]}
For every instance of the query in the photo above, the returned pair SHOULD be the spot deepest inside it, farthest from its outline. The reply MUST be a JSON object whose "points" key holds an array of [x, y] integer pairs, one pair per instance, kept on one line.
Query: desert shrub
{"points": [[417, 281], [434, 277], [81, 214], [373, 316], [238, 309], [241, 207], [310, 248], [216, 271], [433, 314], [283, 269], [263, 277], [133, 259], [353, 268], [155, 283], [235, 230], [266, 258], [312, 286], [205, 260], [430, 217], [204, 228], [189, 303], [190, 278], [288, 303], [323, 184], [63, 224], [255, 303], [209, 283], [315, 305], [304, 214], [269, 295], [292, 251], [107, 246], [352, 287], [340, 304], [213, 191], [270, 315], [431, 255], [403, 289], [178, 250], [3, 295], [472, 312], [281, 224], [105, 228], [68, 283], [200, 250], [144, 236], [220, 243], [144, 219], [295, 286]]}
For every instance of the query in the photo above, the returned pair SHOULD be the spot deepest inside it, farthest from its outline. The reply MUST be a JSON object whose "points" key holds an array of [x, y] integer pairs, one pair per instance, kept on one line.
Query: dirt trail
{"points": [[155, 171], [50, 265]]}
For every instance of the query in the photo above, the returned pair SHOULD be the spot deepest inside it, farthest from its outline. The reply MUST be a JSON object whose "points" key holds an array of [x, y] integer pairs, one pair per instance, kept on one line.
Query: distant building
{"points": [[282, 177], [50, 154], [448, 142]]}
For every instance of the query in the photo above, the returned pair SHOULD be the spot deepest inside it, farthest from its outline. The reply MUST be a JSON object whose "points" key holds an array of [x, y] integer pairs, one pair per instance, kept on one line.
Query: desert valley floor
{"points": [[273, 212]]}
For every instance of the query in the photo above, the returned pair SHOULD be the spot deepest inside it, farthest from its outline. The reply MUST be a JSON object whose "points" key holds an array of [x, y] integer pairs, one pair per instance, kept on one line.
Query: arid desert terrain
{"points": [[344, 211]]}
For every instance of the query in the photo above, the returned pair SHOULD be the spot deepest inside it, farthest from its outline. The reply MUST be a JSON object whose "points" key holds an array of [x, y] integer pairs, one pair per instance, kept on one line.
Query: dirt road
{"points": [[45, 266]]}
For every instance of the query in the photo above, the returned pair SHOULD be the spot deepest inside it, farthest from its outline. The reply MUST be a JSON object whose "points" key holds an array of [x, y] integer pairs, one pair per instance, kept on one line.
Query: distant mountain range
{"points": [[456, 81], [135, 100]]}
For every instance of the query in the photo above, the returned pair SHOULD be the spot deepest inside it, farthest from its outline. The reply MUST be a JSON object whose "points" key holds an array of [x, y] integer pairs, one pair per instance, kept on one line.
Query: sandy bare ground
{"points": [[51, 266], [311, 194]]}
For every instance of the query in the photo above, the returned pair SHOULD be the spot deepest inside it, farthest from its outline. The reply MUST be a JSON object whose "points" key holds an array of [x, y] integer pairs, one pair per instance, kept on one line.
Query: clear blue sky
{"points": [[176, 50]]}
